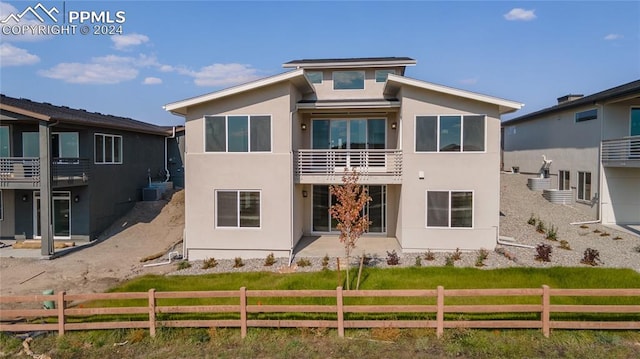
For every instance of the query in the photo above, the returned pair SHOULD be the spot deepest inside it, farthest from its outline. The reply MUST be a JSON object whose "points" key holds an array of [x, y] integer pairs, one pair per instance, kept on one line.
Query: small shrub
{"points": [[366, 259], [209, 263], [270, 260], [636, 249], [325, 262], [449, 261], [303, 262], [543, 252], [483, 254], [540, 228], [510, 256], [564, 245], [596, 231], [591, 257], [584, 226], [552, 233], [532, 220], [418, 261], [604, 234], [184, 265], [392, 258], [429, 255], [617, 238], [457, 255], [237, 262]]}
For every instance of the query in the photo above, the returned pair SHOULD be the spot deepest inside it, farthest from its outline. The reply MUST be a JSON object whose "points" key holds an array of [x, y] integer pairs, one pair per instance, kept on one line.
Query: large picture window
{"points": [[108, 149], [450, 209], [584, 186], [238, 209], [237, 133], [450, 133], [348, 80]]}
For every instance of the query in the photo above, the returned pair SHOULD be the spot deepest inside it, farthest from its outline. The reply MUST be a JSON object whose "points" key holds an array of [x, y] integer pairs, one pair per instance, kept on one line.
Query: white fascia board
{"points": [[347, 65], [180, 107], [394, 81]]}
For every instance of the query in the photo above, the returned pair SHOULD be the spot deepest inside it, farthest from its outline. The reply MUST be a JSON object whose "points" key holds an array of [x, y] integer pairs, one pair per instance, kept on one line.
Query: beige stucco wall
{"points": [[621, 195], [270, 173], [477, 172]]}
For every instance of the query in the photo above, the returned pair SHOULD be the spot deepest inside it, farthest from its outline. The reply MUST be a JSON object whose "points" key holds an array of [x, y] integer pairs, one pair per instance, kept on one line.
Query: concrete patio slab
{"points": [[319, 246]]}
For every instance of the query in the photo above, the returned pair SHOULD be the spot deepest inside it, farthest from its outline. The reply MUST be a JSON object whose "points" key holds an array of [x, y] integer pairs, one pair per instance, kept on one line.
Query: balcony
{"points": [[328, 166], [621, 152], [24, 172]]}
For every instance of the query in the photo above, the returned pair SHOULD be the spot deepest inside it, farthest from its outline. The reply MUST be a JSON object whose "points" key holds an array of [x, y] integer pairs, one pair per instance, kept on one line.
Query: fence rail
{"points": [[343, 309]]}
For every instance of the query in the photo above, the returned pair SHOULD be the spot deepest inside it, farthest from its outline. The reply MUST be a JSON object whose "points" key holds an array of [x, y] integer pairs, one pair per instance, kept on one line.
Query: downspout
{"points": [[292, 186], [166, 154]]}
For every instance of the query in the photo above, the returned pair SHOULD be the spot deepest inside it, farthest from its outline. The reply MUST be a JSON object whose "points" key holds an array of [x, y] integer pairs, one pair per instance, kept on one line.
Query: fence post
{"points": [[61, 307], [243, 312], [440, 312], [340, 309], [546, 311], [152, 312]]}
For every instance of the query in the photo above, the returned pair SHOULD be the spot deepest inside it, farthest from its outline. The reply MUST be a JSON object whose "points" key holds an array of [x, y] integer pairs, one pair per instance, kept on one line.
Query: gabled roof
{"points": [[295, 76], [618, 93], [47, 112], [350, 62], [394, 82]]}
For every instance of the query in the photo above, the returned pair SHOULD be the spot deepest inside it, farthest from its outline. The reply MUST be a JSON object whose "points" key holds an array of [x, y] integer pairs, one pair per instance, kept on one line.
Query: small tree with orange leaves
{"points": [[351, 198]]}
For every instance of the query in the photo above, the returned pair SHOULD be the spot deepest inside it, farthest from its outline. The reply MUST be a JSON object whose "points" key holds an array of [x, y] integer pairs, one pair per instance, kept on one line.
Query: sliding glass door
{"points": [[376, 209]]}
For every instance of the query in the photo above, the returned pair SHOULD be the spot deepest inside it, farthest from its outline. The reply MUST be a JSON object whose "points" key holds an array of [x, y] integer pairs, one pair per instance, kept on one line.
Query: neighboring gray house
{"points": [[92, 166], [594, 145], [260, 158]]}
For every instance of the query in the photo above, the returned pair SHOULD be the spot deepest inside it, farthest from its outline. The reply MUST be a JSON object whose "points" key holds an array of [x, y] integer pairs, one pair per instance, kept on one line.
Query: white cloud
{"points": [[469, 81], [110, 69], [14, 56], [125, 42], [221, 74], [518, 14], [611, 37], [152, 81]]}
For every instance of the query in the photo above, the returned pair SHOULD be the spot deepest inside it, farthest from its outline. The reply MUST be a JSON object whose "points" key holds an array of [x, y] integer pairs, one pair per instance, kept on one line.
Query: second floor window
{"points": [[64, 145], [237, 133], [108, 149], [348, 80], [450, 133]]}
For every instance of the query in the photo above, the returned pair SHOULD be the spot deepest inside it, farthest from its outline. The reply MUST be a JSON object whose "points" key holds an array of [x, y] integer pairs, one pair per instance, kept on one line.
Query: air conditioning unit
{"points": [[150, 194]]}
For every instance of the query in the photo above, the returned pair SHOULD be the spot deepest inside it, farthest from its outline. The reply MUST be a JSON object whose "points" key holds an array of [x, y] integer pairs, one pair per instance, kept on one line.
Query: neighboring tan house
{"points": [[260, 158], [92, 166], [594, 145]]}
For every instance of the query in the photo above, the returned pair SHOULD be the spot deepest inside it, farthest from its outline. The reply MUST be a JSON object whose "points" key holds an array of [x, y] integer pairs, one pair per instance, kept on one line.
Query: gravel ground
{"points": [[518, 204]]}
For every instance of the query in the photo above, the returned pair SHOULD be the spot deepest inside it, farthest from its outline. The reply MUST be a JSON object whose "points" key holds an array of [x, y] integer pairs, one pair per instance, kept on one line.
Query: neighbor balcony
{"points": [[382, 166], [621, 152], [24, 172]]}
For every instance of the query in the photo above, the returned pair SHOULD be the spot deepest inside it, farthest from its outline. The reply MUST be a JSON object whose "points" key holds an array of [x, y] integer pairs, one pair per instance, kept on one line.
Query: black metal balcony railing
{"points": [[387, 162], [70, 170], [24, 172], [621, 150]]}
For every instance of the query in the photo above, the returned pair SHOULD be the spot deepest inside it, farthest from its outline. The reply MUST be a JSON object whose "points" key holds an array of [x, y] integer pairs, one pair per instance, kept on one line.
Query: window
{"points": [[563, 180], [108, 149], [64, 145], [587, 115], [1, 207], [314, 76], [30, 144], [238, 209], [381, 75], [450, 209], [348, 80], [450, 133], [584, 186], [237, 133], [4, 141]]}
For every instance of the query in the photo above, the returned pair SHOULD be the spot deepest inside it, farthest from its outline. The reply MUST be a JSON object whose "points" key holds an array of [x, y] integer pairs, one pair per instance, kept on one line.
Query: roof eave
{"points": [[24, 112], [296, 77]]}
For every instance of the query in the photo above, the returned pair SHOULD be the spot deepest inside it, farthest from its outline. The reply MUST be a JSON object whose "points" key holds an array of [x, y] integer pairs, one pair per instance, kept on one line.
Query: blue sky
{"points": [[531, 52]]}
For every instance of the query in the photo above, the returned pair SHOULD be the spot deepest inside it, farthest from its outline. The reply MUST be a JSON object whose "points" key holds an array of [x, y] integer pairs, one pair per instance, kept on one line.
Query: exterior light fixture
{"points": [[394, 125], [76, 199], [25, 198], [303, 127], [304, 193]]}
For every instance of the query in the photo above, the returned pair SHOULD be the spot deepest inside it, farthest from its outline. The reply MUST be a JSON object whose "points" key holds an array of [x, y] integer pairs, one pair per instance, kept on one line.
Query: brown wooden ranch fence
{"points": [[247, 310]]}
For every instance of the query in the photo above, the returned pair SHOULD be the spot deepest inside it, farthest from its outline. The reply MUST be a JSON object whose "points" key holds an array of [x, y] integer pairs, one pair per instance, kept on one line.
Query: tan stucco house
{"points": [[593, 145], [260, 158]]}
